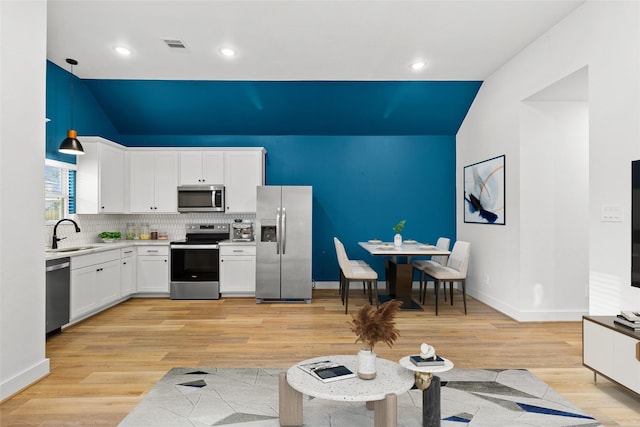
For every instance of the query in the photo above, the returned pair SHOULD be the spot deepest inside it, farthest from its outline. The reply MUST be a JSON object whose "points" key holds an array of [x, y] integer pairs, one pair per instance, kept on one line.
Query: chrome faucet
{"points": [[56, 239]]}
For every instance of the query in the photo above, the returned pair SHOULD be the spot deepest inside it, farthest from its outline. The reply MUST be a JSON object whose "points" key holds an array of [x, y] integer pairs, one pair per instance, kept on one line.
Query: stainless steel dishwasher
{"points": [[58, 293]]}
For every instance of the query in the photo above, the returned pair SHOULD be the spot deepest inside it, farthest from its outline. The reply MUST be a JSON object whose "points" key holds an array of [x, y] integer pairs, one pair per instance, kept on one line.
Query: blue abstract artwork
{"points": [[484, 201]]}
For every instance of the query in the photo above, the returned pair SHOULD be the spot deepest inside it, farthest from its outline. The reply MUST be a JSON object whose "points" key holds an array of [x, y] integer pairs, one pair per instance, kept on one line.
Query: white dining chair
{"points": [[358, 271], [443, 243], [454, 271], [355, 262]]}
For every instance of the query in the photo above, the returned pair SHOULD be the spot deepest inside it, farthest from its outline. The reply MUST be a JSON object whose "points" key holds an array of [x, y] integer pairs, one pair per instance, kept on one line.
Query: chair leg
{"points": [[450, 291], [341, 285], [345, 290], [368, 284], [464, 296], [437, 286], [375, 290]]}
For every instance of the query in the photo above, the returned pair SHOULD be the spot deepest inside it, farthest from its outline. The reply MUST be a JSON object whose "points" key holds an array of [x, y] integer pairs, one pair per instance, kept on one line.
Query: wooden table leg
{"points": [[289, 403], [385, 412], [401, 276]]}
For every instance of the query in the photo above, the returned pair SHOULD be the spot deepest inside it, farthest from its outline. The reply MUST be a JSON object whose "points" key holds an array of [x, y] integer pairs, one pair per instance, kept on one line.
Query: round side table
{"points": [[430, 386]]}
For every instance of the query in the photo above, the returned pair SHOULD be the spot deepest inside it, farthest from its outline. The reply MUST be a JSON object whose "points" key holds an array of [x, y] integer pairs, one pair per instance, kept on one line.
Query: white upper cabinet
{"points": [[201, 167], [154, 181], [101, 178], [243, 173]]}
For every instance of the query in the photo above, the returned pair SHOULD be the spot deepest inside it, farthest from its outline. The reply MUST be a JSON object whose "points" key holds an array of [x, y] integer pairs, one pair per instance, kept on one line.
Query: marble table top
{"points": [[407, 363], [390, 378]]}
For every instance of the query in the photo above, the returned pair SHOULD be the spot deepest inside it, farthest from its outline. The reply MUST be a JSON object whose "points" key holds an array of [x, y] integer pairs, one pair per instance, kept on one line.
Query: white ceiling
{"points": [[296, 39]]}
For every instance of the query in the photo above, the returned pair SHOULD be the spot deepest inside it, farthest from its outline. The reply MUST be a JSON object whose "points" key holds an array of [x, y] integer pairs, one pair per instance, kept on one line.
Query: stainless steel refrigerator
{"points": [[283, 243]]}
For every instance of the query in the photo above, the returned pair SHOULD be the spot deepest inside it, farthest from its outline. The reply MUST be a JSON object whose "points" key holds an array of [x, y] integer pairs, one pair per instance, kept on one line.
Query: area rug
{"points": [[249, 398]]}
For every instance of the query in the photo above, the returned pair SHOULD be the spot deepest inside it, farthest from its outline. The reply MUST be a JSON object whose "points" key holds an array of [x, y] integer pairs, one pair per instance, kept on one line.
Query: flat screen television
{"points": [[635, 223]]}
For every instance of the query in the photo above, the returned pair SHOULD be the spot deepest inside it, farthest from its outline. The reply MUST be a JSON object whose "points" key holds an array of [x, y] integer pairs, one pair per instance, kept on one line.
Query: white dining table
{"points": [[400, 274]]}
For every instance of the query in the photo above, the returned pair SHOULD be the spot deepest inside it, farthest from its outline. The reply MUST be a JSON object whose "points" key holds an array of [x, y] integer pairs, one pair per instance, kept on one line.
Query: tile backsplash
{"points": [[92, 225]]}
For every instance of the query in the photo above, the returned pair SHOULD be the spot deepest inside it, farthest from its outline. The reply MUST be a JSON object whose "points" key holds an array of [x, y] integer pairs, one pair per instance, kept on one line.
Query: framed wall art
{"points": [[484, 192]]}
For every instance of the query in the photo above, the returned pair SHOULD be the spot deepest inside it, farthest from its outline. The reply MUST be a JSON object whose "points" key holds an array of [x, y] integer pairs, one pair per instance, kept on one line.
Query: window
{"points": [[59, 190]]}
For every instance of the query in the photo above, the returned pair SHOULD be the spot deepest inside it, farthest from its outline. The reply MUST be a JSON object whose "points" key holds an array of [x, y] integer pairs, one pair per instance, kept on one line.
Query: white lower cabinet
{"points": [[611, 351], [152, 269], [237, 270], [95, 282], [127, 271]]}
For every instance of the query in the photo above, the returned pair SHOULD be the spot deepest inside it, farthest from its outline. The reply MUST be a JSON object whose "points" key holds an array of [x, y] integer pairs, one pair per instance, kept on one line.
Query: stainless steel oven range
{"points": [[194, 262]]}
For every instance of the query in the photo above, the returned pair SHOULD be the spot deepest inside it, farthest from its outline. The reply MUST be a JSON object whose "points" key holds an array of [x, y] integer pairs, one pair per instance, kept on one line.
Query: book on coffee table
{"points": [[631, 316], [327, 371], [627, 324], [430, 361]]}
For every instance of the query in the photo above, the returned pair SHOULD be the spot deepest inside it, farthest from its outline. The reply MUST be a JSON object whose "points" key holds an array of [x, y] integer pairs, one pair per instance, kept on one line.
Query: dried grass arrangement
{"points": [[373, 325]]}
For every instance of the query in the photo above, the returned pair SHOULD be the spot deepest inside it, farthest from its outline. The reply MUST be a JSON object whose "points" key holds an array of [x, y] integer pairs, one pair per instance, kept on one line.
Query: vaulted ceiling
{"points": [[301, 67]]}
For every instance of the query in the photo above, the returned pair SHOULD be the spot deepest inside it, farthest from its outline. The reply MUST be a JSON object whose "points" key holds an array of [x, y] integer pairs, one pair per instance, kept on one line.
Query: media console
{"points": [[612, 351]]}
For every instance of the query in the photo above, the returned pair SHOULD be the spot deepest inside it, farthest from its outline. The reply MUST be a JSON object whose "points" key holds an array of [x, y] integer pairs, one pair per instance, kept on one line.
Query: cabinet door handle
{"points": [[638, 350], [238, 250], [152, 250]]}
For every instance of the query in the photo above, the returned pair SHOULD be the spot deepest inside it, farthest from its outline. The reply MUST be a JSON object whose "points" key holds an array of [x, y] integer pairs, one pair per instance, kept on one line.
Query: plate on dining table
{"points": [[410, 242], [375, 241], [425, 247], [385, 246]]}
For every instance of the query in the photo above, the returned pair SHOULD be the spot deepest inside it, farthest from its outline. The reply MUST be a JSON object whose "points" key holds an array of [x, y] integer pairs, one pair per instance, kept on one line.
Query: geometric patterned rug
{"points": [[248, 397]]}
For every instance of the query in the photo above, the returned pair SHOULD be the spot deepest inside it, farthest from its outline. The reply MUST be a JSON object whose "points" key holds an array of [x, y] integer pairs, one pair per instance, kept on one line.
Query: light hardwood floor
{"points": [[102, 367]]}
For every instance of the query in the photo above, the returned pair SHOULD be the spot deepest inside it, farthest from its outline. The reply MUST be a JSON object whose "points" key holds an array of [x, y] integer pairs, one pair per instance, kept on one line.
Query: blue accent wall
{"points": [[160, 107], [88, 116], [362, 185], [374, 152]]}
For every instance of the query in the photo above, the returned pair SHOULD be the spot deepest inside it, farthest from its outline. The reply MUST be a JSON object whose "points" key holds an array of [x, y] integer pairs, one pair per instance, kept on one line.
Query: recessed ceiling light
{"points": [[228, 52], [418, 65], [124, 51]]}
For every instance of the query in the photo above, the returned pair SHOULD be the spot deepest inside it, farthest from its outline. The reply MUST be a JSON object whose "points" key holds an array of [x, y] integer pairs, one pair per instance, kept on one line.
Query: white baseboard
{"points": [[24, 379], [549, 315]]}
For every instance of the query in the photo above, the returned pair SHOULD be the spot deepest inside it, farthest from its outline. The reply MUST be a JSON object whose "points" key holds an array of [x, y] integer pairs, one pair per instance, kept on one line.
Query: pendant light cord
{"points": [[71, 98], [71, 62]]}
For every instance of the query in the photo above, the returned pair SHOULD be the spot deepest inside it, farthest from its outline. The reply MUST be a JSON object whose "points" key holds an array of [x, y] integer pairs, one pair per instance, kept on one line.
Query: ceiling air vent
{"points": [[174, 43]]}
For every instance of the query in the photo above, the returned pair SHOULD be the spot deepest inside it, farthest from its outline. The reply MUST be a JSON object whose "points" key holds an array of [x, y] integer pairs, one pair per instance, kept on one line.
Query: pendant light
{"points": [[71, 145]]}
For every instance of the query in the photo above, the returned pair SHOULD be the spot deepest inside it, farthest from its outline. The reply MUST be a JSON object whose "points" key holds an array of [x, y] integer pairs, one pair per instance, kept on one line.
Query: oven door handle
{"points": [[195, 246]]}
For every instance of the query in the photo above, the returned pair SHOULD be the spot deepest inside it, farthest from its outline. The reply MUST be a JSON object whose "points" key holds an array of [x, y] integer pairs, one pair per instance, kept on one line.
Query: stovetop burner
{"points": [[197, 234]]}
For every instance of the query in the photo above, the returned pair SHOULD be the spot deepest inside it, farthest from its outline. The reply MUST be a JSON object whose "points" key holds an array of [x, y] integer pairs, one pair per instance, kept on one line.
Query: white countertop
{"points": [[89, 248]]}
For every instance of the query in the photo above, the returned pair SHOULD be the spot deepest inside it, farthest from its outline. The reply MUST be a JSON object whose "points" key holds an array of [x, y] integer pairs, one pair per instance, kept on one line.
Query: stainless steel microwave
{"points": [[201, 198]]}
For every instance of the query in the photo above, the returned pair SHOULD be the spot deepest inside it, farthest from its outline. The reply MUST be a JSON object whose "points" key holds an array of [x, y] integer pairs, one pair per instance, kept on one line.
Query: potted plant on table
{"points": [[371, 326], [397, 239]]}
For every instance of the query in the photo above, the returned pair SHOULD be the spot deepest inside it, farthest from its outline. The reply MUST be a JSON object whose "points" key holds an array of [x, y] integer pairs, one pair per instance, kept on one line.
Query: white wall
{"points": [[23, 26], [509, 262]]}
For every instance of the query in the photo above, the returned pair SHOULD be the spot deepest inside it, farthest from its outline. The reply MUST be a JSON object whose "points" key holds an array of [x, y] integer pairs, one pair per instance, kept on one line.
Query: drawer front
{"points": [[153, 250], [127, 252], [237, 250], [81, 261]]}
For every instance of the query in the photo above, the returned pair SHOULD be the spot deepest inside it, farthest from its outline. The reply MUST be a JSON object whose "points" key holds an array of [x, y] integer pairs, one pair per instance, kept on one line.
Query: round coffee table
{"points": [[380, 393]]}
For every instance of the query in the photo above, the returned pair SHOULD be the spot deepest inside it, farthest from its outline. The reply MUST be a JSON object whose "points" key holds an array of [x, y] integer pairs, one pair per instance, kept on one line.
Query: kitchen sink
{"points": [[71, 249]]}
